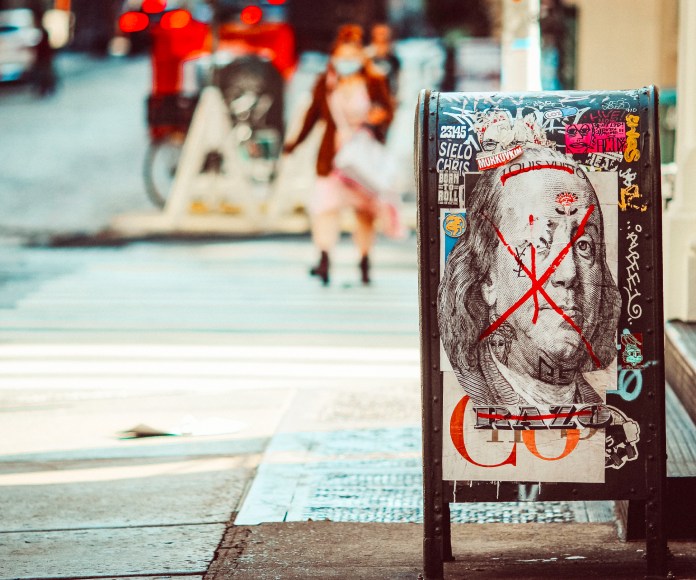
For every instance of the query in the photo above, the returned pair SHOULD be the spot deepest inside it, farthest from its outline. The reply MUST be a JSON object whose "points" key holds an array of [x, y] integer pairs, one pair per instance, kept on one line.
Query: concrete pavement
{"points": [[216, 339], [299, 550]]}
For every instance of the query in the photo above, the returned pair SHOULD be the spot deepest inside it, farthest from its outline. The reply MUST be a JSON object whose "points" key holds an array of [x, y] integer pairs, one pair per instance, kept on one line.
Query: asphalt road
{"points": [[70, 162]]}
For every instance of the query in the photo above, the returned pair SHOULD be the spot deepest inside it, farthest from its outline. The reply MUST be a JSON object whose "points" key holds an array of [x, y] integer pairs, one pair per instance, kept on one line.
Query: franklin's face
{"points": [[541, 216]]}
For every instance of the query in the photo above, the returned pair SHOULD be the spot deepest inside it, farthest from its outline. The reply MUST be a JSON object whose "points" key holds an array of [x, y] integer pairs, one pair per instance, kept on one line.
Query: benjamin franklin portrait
{"points": [[527, 302]]}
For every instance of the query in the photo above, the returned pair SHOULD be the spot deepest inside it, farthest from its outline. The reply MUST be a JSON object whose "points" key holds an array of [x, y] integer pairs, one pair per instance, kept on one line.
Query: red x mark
{"points": [[538, 283]]}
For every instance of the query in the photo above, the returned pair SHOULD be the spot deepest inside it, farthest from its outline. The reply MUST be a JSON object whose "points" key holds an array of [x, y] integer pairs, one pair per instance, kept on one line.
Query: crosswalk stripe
{"points": [[181, 301]]}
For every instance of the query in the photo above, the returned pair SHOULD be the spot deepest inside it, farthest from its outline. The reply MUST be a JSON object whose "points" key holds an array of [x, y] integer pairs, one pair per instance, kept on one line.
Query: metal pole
{"points": [[521, 46], [447, 555]]}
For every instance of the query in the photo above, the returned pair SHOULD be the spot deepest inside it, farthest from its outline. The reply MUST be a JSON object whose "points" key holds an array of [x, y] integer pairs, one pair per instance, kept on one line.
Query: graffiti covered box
{"points": [[539, 217]]}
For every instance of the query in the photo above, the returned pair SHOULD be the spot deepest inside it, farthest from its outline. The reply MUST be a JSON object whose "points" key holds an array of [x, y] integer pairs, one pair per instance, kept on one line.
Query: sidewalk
{"points": [[366, 483], [295, 551], [364, 494]]}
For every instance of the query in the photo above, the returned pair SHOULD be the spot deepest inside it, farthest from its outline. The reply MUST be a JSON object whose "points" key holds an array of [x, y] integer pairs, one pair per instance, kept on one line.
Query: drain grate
{"points": [[373, 475], [391, 491]]}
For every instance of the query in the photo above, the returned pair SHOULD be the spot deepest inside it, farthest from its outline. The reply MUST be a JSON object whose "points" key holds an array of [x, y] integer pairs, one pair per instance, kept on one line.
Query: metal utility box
{"points": [[541, 303]]}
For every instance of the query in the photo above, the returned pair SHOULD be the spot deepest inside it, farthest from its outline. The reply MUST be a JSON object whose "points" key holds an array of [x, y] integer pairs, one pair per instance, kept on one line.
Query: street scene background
{"points": [[227, 345], [169, 396]]}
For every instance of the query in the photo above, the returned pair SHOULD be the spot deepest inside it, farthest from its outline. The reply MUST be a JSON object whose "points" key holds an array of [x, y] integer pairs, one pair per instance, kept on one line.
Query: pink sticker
{"points": [[595, 137]]}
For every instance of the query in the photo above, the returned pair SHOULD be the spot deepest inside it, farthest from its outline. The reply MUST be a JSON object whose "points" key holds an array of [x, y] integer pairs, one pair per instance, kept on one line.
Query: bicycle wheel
{"points": [[161, 161]]}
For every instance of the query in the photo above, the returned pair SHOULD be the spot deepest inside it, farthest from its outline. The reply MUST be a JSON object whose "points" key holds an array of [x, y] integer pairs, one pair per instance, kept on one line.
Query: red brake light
{"points": [[276, 2], [154, 6], [133, 22], [175, 19], [251, 15]]}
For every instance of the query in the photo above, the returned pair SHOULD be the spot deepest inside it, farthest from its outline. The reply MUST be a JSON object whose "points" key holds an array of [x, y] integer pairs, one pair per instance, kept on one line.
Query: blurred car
{"points": [[19, 38]]}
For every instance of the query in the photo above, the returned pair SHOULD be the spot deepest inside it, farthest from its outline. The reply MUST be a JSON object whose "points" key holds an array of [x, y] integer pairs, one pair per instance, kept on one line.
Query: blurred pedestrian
{"points": [[382, 57], [347, 97], [44, 74]]}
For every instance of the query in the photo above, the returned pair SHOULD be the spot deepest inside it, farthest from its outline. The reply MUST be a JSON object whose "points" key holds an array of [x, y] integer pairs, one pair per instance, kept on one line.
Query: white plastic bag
{"points": [[368, 163]]}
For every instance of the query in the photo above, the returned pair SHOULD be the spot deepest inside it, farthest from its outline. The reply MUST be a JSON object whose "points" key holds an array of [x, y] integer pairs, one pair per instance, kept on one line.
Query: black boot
{"points": [[365, 270], [322, 269]]}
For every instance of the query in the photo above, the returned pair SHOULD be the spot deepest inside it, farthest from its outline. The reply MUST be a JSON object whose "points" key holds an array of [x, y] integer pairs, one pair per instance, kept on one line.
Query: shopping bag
{"points": [[367, 163]]}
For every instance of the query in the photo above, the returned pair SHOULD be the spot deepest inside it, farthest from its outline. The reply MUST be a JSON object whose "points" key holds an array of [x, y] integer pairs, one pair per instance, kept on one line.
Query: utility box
{"points": [[541, 303]]}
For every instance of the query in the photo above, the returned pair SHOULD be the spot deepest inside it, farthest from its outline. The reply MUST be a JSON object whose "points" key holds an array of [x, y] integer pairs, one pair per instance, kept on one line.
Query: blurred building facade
{"points": [[626, 43], [315, 23], [95, 24]]}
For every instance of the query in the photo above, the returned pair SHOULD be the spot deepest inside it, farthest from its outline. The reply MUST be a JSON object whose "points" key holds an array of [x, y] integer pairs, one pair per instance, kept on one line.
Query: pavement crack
{"points": [[113, 577], [226, 560], [93, 528]]}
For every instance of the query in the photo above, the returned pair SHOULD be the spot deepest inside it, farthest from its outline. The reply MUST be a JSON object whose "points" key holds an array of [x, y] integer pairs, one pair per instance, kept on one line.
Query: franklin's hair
{"points": [[462, 312]]}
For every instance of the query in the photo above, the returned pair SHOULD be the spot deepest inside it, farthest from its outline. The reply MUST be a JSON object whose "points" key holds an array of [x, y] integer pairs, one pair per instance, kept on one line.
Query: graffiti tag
{"points": [[634, 309], [632, 153]]}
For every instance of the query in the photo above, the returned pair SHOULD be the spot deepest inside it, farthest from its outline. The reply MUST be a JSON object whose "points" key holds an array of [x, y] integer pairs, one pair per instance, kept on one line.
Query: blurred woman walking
{"points": [[348, 98]]}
